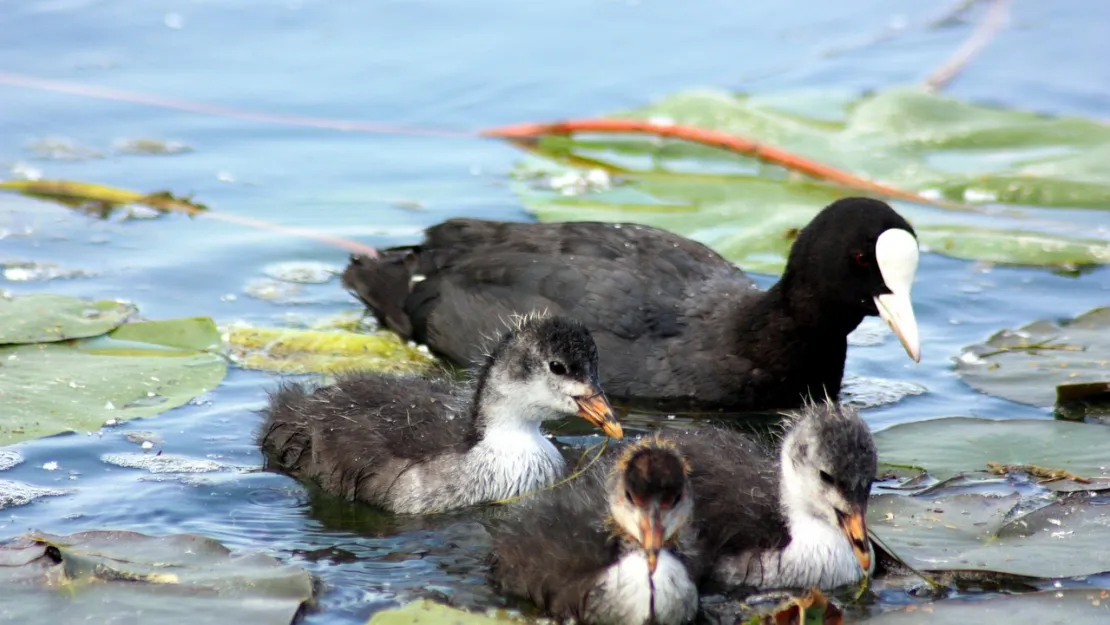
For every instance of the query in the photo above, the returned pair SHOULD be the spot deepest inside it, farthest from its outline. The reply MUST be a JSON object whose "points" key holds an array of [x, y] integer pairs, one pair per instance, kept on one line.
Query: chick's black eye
{"points": [[557, 367], [628, 496], [861, 259], [826, 478]]}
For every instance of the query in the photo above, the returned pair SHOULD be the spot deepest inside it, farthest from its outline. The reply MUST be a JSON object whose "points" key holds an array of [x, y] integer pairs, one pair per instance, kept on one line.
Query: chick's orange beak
{"points": [[855, 528], [651, 528], [595, 408]]}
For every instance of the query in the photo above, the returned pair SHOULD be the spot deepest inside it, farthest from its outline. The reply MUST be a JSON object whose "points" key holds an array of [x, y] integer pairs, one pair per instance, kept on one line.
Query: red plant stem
{"points": [[107, 93], [992, 23], [711, 138], [353, 247]]}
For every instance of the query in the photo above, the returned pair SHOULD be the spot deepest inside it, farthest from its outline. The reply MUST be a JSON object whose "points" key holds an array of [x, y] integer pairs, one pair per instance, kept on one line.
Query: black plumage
{"points": [[677, 325]]}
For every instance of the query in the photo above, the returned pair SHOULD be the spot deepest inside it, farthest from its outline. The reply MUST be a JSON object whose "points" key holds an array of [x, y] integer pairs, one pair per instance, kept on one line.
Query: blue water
{"points": [[456, 65]]}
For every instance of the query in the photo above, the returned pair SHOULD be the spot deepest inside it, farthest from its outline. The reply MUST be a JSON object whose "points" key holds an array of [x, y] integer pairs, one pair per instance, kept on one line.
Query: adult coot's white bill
{"points": [[413, 444], [605, 549], [677, 325]]}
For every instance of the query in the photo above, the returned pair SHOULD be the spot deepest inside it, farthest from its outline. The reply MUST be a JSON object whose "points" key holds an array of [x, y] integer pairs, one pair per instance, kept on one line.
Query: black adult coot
{"points": [[678, 326], [607, 547], [416, 445], [788, 519]]}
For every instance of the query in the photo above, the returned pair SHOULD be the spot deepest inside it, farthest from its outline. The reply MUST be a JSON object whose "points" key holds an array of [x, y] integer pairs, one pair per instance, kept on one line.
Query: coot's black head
{"points": [[858, 257], [547, 366], [829, 462], [650, 498]]}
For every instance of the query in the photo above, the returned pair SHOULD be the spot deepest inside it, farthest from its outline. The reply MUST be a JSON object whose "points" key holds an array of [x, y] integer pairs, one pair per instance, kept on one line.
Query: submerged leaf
{"points": [[9, 458], [139, 370], [14, 493], [108, 576], [1027, 365], [43, 317], [312, 351], [776, 607], [906, 138]]}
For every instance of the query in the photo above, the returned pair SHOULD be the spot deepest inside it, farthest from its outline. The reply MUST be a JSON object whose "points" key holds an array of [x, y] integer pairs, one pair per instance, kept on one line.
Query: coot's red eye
{"points": [[862, 260]]}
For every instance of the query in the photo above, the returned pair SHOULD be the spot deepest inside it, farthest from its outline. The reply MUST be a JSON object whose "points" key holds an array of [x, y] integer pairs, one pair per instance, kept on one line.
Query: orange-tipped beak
{"points": [[651, 528], [855, 528], [596, 409]]}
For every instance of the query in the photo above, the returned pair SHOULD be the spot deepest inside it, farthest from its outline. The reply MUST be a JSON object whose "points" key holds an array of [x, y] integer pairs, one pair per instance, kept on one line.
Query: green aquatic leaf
{"points": [[43, 317], [937, 146], [966, 444], [138, 370], [109, 577], [196, 333], [1037, 363], [293, 351], [424, 612], [1075, 606], [972, 532]]}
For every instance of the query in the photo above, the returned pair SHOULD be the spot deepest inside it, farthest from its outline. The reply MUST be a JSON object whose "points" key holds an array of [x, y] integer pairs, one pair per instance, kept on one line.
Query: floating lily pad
{"points": [[138, 370], [869, 392], [194, 333], [150, 147], [424, 612], [111, 577], [1079, 606], [912, 140], [42, 317], [311, 351], [946, 447], [1029, 365], [970, 532]]}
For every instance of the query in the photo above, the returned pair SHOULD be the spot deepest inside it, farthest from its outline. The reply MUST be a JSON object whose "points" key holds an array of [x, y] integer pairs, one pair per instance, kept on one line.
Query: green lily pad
{"points": [[1037, 362], [195, 333], [747, 210], [1077, 606], [971, 532], [293, 351], [424, 612], [42, 317], [961, 444], [115, 577], [138, 370]]}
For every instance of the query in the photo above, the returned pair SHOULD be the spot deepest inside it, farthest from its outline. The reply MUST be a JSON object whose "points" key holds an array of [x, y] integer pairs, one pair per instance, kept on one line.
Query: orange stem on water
{"points": [[712, 138]]}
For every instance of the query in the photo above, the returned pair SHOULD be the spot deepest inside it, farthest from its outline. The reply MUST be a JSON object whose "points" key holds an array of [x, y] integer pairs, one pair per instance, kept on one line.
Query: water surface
{"points": [[453, 65]]}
